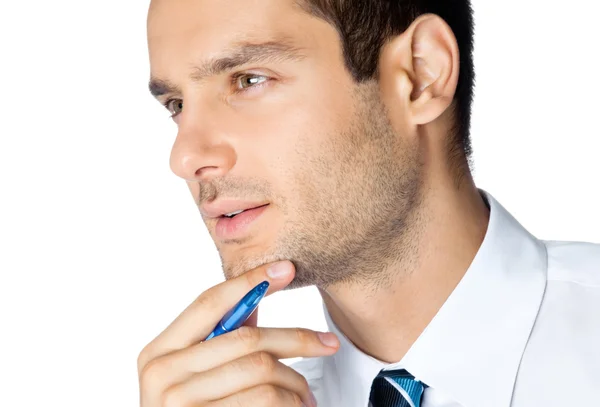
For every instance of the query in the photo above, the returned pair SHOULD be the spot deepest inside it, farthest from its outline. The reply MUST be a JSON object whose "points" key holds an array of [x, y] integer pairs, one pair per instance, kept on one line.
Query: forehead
{"points": [[180, 29]]}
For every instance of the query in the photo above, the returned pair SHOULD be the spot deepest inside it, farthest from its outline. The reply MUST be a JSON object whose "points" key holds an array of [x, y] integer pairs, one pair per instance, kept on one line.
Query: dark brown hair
{"points": [[365, 25]]}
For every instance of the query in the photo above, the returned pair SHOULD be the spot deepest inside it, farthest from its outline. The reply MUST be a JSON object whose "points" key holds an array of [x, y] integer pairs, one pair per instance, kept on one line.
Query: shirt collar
{"points": [[472, 348]]}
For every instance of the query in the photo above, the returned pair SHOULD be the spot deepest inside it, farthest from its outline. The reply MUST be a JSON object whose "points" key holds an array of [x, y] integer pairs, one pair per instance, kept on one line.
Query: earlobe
{"points": [[428, 107]]}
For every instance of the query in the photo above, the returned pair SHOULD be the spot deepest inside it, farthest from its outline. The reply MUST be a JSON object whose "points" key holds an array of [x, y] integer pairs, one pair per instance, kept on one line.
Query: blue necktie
{"points": [[391, 388]]}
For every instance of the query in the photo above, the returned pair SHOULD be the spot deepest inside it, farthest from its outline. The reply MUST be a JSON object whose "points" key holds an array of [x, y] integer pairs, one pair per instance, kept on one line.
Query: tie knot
{"points": [[396, 388]]}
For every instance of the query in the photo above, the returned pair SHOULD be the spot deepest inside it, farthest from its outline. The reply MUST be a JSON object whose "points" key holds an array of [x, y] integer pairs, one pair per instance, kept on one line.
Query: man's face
{"points": [[291, 129]]}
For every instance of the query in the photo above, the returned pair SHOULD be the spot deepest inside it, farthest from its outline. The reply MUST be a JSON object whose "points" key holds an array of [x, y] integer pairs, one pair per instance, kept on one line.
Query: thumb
{"points": [[253, 319]]}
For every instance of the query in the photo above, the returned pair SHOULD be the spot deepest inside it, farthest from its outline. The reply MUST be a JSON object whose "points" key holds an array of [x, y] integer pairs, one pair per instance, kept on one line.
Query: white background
{"points": [[101, 245]]}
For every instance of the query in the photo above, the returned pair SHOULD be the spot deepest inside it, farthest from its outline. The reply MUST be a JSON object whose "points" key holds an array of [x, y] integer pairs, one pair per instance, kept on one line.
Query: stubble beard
{"points": [[359, 218]]}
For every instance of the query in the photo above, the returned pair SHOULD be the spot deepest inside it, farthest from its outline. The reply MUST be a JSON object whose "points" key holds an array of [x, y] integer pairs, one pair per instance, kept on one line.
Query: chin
{"points": [[297, 283], [237, 267]]}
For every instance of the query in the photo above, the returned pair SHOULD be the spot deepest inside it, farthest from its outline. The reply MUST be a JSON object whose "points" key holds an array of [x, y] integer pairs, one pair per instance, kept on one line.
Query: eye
{"points": [[245, 81], [174, 106]]}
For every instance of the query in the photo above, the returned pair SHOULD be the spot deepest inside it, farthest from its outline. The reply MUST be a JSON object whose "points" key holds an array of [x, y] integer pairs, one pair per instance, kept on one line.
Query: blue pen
{"points": [[241, 311]]}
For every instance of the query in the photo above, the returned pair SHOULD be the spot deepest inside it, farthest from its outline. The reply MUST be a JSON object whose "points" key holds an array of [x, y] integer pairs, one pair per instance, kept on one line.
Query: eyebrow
{"points": [[240, 54]]}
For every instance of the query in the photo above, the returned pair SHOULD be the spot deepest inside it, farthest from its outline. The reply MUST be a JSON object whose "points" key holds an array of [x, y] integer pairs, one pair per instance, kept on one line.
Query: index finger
{"points": [[197, 321]]}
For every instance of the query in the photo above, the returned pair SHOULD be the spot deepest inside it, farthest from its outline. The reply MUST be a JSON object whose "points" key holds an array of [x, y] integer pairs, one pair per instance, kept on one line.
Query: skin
{"points": [[363, 199], [240, 368]]}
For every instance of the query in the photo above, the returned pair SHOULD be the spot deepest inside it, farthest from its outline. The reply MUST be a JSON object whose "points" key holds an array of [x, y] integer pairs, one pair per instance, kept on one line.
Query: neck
{"points": [[385, 321]]}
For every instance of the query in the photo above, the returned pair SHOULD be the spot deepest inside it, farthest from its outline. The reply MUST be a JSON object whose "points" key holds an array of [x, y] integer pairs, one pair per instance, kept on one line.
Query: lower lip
{"points": [[231, 228]]}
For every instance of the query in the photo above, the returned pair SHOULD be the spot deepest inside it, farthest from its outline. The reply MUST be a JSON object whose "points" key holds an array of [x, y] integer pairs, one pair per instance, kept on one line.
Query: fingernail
{"points": [[328, 339], [279, 270], [313, 399]]}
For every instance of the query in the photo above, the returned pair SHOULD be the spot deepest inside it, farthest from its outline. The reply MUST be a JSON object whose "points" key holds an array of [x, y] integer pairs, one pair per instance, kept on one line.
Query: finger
{"points": [[199, 318], [265, 395], [261, 396], [281, 343], [243, 373]]}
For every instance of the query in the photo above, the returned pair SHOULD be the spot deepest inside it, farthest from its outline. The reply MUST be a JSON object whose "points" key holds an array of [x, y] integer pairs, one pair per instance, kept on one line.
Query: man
{"points": [[340, 129]]}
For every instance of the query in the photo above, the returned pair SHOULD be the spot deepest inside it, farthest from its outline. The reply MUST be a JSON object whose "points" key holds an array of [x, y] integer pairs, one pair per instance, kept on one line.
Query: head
{"points": [[338, 114]]}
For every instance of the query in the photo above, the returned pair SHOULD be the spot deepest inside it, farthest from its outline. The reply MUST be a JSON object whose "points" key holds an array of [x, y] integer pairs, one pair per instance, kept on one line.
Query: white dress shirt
{"points": [[521, 329]]}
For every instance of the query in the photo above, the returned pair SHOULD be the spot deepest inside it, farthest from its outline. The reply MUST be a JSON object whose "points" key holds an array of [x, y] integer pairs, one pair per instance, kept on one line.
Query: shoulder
{"points": [[571, 299], [574, 262], [562, 347], [572, 296]]}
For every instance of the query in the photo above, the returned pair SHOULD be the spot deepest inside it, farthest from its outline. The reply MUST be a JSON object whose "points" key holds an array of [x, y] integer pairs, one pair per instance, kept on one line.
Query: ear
{"points": [[418, 70]]}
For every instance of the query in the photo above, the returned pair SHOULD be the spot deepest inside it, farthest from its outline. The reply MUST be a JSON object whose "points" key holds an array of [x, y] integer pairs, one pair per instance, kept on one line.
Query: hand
{"points": [[240, 368]]}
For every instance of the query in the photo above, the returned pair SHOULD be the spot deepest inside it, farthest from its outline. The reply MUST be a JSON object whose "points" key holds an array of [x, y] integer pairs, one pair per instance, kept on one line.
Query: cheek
{"points": [[285, 142], [292, 136], [291, 161]]}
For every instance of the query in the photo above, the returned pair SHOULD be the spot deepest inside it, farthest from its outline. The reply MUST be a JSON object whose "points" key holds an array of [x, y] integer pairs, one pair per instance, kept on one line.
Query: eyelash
{"points": [[233, 81]]}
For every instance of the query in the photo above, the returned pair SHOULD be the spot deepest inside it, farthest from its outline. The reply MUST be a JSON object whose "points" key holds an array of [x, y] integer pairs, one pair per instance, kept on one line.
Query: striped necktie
{"points": [[396, 388]]}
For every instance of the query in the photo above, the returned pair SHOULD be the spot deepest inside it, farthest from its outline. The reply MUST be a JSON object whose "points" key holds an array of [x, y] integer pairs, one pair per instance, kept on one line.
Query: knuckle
{"points": [[206, 301], [141, 360], [305, 336], [151, 375], [263, 361], [250, 278], [305, 386], [249, 336]]}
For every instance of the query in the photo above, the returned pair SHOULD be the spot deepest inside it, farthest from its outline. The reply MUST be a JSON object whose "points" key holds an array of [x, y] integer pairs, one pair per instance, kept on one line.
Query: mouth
{"points": [[236, 225], [236, 213]]}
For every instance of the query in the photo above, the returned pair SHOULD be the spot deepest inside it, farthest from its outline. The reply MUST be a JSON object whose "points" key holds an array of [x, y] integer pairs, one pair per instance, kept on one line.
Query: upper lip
{"points": [[219, 208]]}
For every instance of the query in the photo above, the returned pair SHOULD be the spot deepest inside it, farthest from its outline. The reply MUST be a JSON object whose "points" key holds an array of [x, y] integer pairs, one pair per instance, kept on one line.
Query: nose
{"points": [[198, 157]]}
